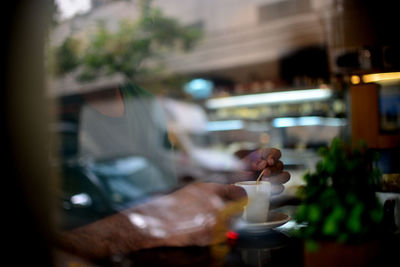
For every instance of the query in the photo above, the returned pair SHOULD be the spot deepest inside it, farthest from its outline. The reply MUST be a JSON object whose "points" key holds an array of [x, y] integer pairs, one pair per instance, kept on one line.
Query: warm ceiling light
{"points": [[295, 96], [380, 77], [355, 79]]}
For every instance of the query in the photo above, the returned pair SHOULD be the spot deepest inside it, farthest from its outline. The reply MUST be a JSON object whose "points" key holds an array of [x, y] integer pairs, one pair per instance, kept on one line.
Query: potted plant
{"points": [[339, 207]]}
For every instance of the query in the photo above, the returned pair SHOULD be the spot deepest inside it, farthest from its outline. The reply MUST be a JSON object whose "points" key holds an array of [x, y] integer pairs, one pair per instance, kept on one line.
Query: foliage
{"points": [[66, 56], [131, 50], [339, 201]]}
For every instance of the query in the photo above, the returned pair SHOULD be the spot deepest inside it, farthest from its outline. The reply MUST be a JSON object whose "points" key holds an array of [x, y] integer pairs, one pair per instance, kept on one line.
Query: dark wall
{"points": [[311, 62], [26, 203], [368, 25]]}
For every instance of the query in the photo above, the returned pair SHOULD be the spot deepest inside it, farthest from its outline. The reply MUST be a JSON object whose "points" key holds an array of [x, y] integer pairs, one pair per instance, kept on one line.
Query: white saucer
{"points": [[275, 219]]}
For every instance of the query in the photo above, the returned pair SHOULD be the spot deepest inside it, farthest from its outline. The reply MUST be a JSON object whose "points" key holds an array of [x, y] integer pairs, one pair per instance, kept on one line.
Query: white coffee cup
{"points": [[256, 210]]}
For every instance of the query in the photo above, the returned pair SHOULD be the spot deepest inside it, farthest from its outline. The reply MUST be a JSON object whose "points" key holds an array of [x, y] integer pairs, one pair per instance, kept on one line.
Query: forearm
{"points": [[192, 216], [112, 235]]}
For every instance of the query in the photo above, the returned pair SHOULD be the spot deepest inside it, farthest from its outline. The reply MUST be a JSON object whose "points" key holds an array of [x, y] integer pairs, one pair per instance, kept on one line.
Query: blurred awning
{"points": [[70, 85]]}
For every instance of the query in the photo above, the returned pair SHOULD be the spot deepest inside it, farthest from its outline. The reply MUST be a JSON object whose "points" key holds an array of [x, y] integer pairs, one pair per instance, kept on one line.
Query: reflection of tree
{"points": [[133, 50], [66, 56]]}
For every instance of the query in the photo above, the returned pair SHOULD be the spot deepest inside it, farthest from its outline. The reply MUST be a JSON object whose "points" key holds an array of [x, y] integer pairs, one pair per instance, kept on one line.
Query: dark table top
{"points": [[273, 247]]}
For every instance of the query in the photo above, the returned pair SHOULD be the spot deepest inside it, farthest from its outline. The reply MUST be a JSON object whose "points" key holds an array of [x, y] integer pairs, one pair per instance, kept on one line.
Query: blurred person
{"points": [[122, 150]]}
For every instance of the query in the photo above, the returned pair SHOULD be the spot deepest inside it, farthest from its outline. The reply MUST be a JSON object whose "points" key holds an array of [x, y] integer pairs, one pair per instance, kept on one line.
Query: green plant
{"points": [[66, 56], [339, 202]]}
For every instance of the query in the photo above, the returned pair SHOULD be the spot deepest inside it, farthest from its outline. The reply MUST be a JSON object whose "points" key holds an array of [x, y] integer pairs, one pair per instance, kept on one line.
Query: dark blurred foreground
{"points": [[24, 116]]}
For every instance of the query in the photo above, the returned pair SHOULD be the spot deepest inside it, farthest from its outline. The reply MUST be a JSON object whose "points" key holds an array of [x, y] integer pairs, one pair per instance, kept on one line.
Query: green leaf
{"points": [[354, 221], [330, 227], [314, 213], [66, 56]]}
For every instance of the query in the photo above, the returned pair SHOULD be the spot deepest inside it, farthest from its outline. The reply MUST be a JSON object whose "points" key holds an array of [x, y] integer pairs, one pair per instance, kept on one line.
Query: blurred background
{"points": [[231, 76], [291, 74]]}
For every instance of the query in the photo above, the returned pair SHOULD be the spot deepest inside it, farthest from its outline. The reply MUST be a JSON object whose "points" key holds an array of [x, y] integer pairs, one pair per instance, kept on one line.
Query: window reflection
{"points": [[115, 153]]}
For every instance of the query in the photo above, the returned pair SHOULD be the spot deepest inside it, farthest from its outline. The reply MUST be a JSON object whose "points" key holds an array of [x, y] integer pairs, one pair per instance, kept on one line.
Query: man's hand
{"points": [[197, 214], [268, 160]]}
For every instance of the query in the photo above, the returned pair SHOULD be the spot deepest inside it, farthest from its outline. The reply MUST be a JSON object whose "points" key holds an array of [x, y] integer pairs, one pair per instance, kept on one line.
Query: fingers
{"points": [[273, 170], [268, 161], [258, 164], [271, 155], [263, 158]]}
